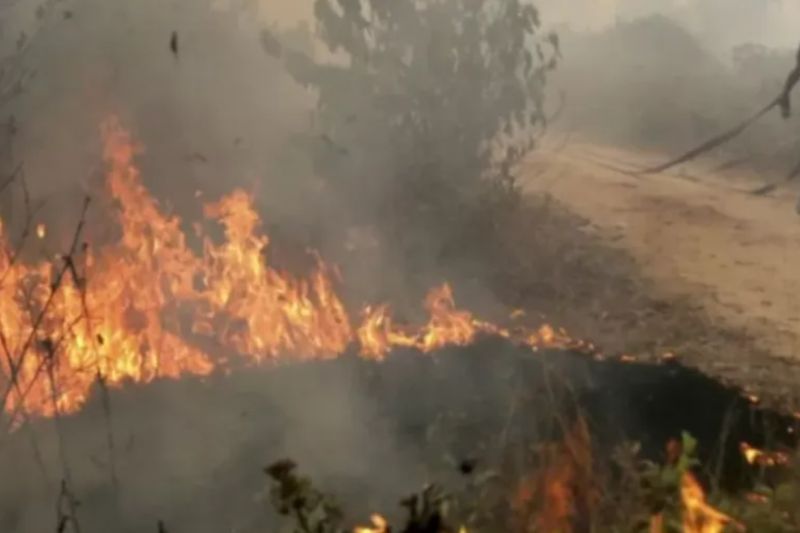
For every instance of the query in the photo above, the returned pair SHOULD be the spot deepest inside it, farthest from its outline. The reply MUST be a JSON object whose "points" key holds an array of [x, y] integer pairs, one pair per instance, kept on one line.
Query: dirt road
{"points": [[735, 254]]}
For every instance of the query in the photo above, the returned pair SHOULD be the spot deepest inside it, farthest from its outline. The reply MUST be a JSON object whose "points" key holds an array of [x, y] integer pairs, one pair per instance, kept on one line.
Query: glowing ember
{"points": [[754, 456], [379, 525], [141, 308]]}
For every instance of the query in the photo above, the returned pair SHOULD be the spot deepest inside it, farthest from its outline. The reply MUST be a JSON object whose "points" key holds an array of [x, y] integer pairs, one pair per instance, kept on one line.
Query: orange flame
{"points": [[379, 525], [755, 456], [698, 515], [143, 307], [562, 489]]}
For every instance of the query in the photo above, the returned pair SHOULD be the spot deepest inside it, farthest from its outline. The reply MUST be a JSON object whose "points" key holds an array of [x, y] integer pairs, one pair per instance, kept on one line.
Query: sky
{"points": [[720, 23]]}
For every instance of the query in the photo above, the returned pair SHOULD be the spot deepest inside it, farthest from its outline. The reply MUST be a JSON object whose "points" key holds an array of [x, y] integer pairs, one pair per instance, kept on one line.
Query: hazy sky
{"points": [[721, 23]]}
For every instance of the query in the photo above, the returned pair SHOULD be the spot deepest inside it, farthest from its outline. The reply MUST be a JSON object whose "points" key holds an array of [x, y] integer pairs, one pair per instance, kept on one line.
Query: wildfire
{"points": [[698, 515], [561, 489], [147, 306]]}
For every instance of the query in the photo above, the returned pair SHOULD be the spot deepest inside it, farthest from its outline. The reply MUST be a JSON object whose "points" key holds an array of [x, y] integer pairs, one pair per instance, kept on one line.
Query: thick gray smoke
{"points": [[212, 112]]}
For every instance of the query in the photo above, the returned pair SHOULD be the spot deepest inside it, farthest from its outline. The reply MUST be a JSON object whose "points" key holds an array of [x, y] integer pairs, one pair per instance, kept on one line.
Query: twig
{"points": [[768, 188], [10, 178], [65, 517], [725, 432], [66, 482], [106, 400], [14, 370]]}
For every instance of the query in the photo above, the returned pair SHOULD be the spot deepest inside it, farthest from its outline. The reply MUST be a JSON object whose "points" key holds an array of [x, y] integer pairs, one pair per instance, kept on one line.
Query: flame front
{"points": [[147, 306]]}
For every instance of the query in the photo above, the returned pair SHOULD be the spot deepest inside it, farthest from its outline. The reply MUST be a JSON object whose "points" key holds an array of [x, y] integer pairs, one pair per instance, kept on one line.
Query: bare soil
{"points": [[691, 265]]}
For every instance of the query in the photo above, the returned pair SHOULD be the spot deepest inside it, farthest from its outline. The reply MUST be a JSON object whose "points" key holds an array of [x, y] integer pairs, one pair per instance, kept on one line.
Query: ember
{"points": [[755, 456], [379, 525]]}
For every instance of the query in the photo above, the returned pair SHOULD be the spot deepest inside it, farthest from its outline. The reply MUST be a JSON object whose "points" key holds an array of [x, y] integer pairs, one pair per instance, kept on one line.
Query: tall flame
{"points": [[145, 306]]}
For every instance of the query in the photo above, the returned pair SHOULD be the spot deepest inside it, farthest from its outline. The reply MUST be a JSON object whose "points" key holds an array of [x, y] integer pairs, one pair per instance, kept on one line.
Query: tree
{"points": [[423, 109]]}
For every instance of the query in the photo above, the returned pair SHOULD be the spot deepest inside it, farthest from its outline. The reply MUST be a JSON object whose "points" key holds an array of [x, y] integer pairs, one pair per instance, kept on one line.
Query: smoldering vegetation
{"points": [[191, 454]]}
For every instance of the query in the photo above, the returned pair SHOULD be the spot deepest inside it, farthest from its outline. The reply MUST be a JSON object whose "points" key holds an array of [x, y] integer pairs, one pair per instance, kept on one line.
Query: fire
{"points": [[698, 515], [41, 231], [562, 489], [147, 306], [448, 326], [754, 456], [270, 312], [379, 525]]}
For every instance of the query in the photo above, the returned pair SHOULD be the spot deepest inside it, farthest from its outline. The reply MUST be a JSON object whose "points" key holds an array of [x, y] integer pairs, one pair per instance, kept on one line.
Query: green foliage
{"points": [[424, 106], [646, 489], [649, 489]]}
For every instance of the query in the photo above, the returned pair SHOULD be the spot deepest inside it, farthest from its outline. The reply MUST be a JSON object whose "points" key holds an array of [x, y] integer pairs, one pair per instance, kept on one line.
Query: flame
{"points": [[563, 487], [698, 515], [755, 456], [147, 306], [41, 231], [448, 326], [379, 525]]}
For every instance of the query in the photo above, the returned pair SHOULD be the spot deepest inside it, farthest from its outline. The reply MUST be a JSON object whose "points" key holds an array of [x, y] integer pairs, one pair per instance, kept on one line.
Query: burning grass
{"points": [[519, 442], [147, 306], [514, 442]]}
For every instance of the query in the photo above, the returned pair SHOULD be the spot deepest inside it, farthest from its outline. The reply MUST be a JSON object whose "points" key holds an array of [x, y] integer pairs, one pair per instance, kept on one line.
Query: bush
{"points": [[423, 109]]}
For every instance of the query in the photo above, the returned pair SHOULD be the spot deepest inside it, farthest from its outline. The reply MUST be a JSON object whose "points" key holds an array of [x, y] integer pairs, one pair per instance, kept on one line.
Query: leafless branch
{"points": [[37, 322], [782, 101]]}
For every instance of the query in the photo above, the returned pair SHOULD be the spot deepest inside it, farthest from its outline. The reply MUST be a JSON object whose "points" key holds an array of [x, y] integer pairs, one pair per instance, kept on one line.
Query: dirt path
{"points": [[736, 255]]}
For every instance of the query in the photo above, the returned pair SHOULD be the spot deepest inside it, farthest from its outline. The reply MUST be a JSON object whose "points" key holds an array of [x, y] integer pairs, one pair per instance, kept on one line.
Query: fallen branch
{"points": [[783, 101]]}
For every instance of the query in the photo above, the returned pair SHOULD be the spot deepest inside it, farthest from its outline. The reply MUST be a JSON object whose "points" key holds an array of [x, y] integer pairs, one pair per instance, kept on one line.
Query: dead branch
{"points": [[782, 101], [37, 322]]}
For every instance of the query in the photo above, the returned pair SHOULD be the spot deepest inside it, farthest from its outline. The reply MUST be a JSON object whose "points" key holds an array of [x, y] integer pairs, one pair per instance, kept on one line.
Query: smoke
{"points": [[215, 112], [212, 113], [667, 75], [216, 115], [719, 24]]}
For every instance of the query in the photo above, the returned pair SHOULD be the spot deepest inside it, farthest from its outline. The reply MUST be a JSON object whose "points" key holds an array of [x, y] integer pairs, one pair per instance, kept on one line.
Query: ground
{"points": [[719, 265]]}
